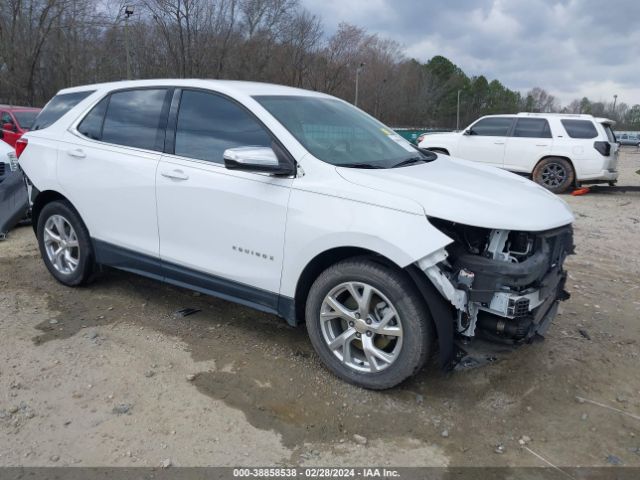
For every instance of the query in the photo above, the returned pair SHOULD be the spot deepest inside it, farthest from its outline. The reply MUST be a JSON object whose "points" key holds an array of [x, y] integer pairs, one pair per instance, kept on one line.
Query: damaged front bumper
{"points": [[504, 286]]}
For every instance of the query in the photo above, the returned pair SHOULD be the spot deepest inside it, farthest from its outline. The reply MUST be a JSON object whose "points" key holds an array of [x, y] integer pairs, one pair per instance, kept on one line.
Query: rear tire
{"points": [[65, 244], [368, 324], [555, 174]]}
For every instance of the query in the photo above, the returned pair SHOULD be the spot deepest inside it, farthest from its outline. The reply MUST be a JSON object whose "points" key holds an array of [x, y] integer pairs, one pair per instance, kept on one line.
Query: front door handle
{"points": [[77, 153], [498, 143], [175, 175]]}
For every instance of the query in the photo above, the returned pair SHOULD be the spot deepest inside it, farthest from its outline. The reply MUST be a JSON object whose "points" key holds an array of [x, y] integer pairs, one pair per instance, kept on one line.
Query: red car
{"points": [[15, 121]]}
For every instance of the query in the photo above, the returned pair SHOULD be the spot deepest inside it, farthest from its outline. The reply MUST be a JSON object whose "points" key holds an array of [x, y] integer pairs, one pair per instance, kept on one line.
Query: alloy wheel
{"points": [[61, 244], [361, 327], [553, 175]]}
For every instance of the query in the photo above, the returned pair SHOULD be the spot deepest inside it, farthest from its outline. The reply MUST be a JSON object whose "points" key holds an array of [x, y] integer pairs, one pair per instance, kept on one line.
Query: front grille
{"points": [[2, 169], [518, 308]]}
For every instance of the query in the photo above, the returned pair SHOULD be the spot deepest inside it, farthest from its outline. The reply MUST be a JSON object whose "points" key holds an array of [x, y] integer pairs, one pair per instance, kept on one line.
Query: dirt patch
{"points": [[232, 386]]}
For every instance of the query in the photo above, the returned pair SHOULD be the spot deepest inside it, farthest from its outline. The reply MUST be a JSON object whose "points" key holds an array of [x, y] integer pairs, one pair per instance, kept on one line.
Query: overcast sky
{"points": [[572, 48]]}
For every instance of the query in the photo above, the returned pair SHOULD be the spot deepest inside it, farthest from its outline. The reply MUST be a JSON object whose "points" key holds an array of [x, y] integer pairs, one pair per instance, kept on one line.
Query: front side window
{"points": [[492, 127], [6, 118], [137, 118], [208, 124], [340, 134], [532, 128], [57, 107], [580, 128]]}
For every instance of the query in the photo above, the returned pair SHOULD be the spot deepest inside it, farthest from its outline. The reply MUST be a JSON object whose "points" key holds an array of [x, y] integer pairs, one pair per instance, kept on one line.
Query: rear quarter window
{"points": [[57, 107], [580, 128]]}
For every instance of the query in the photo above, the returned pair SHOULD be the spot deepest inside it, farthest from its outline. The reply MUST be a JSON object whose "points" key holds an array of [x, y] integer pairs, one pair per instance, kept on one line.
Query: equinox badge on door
{"points": [[252, 252]]}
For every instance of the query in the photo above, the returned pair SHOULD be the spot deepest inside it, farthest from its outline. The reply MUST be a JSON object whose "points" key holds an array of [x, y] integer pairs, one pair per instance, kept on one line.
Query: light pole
{"points": [[128, 11], [458, 112], [615, 99], [358, 69]]}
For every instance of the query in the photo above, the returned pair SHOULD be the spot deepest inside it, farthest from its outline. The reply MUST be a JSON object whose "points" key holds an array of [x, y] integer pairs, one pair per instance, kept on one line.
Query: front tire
{"points": [[555, 174], [65, 244], [368, 324]]}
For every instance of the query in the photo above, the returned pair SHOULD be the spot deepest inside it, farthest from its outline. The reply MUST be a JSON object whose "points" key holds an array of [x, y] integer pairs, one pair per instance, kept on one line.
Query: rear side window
{"points": [[532, 128], [57, 107], [135, 118], [580, 128], [208, 124], [492, 127]]}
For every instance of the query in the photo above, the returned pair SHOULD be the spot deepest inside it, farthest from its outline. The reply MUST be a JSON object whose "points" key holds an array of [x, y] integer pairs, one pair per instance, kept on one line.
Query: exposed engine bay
{"points": [[505, 285]]}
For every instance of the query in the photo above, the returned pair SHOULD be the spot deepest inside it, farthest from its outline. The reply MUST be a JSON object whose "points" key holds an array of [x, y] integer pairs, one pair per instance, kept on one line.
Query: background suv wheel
{"points": [[368, 323], [555, 174], [65, 244]]}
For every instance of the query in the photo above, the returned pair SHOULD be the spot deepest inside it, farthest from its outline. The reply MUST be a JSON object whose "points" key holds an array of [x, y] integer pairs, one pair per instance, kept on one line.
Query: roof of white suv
{"points": [[230, 86], [583, 116]]}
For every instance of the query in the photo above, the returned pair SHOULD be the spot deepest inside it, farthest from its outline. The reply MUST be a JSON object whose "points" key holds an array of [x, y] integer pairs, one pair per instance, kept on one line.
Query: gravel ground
{"points": [[106, 375]]}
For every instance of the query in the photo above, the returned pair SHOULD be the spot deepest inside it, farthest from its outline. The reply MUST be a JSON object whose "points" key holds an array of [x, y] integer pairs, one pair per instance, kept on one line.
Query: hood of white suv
{"points": [[433, 138], [468, 193]]}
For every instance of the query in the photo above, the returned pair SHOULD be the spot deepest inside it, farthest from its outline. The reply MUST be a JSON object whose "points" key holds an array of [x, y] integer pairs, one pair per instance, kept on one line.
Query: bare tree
{"points": [[46, 45]]}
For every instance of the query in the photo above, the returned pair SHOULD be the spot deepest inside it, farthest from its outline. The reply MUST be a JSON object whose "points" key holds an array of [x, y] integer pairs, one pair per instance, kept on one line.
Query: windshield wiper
{"points": [[410, 161], [360, 165]]}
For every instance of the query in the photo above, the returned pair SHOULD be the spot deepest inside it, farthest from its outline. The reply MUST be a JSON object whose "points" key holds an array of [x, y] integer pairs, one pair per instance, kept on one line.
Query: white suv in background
{"points": [[298, 204], [557, 151]]}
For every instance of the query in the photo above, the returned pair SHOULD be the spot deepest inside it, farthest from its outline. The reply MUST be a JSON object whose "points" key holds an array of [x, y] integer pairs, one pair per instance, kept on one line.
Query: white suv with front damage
{"points": [[296, 203], [557, 151]]}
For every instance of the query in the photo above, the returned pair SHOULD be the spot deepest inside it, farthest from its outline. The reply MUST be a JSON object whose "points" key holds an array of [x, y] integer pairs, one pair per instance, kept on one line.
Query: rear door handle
{"points": [[542, 145], [175, 175], [77, 153], [498, 143]]}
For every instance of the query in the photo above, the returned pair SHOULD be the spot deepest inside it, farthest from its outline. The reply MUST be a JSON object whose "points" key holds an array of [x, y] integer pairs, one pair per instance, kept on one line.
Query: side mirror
{"points": [[255, 159], [468, 131], [9, 126]]}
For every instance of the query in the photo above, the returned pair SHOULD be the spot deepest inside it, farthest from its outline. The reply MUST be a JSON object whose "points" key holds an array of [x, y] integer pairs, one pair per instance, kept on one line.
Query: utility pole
{"points": [[358, 69], [128, 11], [458, 113]]}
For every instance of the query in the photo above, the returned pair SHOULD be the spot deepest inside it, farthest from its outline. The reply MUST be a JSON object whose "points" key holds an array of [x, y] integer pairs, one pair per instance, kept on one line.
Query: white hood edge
{"points": [[469, 193]]}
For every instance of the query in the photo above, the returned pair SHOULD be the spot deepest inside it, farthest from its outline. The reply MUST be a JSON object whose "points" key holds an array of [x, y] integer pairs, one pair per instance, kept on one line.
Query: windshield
{"points": [[25, 118], [342, 135]]}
